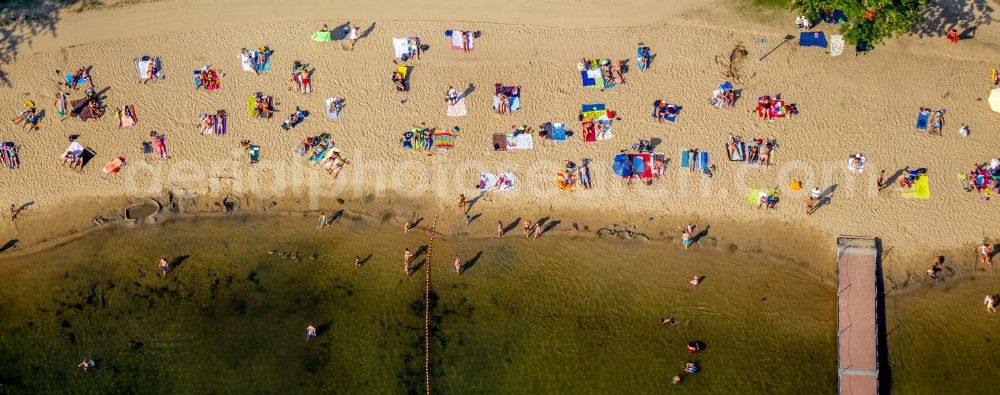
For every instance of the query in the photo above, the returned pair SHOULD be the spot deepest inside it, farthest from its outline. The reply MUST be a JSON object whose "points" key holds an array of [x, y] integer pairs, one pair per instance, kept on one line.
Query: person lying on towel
{"points": [[397, 79]]}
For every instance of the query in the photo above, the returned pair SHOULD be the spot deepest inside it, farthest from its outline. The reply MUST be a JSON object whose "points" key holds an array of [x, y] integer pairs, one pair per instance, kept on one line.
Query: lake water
{"points": [[562, 314]]}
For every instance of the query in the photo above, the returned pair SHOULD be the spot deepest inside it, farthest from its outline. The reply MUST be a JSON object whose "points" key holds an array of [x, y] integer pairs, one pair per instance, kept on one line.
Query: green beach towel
{"points": [[753, 195], [321, 37]]}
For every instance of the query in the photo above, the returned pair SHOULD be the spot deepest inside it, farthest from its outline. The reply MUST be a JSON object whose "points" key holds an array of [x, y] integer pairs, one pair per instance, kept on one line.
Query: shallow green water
{"points": [[556, 315]]}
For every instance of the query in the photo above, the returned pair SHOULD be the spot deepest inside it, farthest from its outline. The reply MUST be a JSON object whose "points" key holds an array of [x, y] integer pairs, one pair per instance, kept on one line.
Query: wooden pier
{"points": [[857, 329]]}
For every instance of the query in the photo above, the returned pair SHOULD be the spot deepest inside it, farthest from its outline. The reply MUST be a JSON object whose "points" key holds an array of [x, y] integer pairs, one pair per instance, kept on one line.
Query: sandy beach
{"points": [[847, 104]]}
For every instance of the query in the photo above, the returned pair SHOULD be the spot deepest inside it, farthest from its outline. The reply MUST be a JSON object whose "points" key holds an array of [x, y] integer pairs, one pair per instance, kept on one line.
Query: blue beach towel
{"points": [[703, 162], [197, 81], [586, 81], [592, 107], [812, 39], [558, 132], [673, 118], [621, 165], [685, 159], [922, 119]]}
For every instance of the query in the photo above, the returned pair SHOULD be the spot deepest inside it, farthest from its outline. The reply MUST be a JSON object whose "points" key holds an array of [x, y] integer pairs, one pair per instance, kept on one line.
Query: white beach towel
{"points": [[400, 47], [456, 40], [836, 45], [458, 109], [606, 133], [522, 141], [142, 65], [331, 115], [75, 148], [247, 61]]}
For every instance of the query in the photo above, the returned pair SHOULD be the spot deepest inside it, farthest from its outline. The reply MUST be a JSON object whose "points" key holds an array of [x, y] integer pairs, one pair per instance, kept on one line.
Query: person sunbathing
{"points": [[765, 155], [658, 167], [150, 71], [730, 98], [502, 103], [95, 109], [397, 78], [661, 111], [336, 105], [752, 154], [78, 76], [616, 72], [466, 41], [732, 146], [937, 122], [261, 59]]}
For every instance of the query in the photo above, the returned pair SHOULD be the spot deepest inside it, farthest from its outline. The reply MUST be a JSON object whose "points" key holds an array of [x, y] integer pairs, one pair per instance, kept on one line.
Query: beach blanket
{"points": [[515, 103], [214, 123], [456, 39], [861, 165], [159, 145], [592, 78], [632, 165], [62, 102], [499, 142], [400, 47], [114, 166], [703, 163], [8, 155], [920, 189], [458, 109], [641, 56], [246, 59], [126, 116], [321, 37], [622, 165], [557, 131], [212, 75], [489, 182], [75, 149], [671, 113], [812, 39], [754, 195], [444, 139], [521, 141], [253, 152], [249, 61], [836, 45], [70, 78], [142, 64], [737, 155], [688, 160], [82, 110], [332, 111], [922, 118]]}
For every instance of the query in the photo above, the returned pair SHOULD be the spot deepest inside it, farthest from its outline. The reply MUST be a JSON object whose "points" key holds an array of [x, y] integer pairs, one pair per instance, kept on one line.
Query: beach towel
{"points": [[920, 189], [126, 116], [737, 155], [754, 195], [496, 182], [667, 115], [458, 109], [62, 101], [400, 47], [214, 123], [521, 141], [159, 146], [622, 165], [640, 165], [252, 107], [266, 65], [82, 110], [456, 39], [75, 149], [70, 78], [115, 165], [593, 78], [253, 152], [515, 103], [685, 159], [321, 37], [703, 163], [246, 59], [336, 110], [557, 132], [861, 165], [142, 64], [444, 139], [922, 118], [212, 74], [836, 45], [812, 39], [499, 142], [641, 56]]}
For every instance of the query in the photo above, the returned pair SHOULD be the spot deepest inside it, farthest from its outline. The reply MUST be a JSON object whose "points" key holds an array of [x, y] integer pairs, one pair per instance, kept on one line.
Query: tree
{"points": [[866, 21]]}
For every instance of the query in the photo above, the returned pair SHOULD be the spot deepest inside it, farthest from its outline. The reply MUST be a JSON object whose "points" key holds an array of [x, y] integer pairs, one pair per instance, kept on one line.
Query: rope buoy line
{"points": [[427, 310]]}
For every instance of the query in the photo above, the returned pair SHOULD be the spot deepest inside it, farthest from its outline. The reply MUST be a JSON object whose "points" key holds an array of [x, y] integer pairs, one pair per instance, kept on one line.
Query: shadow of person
{"points": [[549, 226], [8, 245], [178, 261], [700, 235], [468, 91], [365, 260], [509, 227], [471, 262]]}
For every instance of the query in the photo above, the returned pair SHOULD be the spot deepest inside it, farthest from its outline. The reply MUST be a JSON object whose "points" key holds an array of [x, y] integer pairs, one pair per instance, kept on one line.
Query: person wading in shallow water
{"points": [[164, 267], [406, 261], [311, 330]]}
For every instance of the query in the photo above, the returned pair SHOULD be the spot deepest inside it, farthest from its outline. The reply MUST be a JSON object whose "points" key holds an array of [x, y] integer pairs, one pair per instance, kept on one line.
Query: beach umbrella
{"points": [[995, 99], [726, 86], [621, 165]]}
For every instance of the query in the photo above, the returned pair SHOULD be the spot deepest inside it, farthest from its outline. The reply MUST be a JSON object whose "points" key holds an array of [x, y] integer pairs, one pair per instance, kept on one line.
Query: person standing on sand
{"points": [[352, 34], [311, 330], [13, 212], [881, 179], [527, 228], [458, 265], [499, 228], [468, 219], [810, 205], [538, 230], [164, 267], [461, 201], [985, 251], [953, 36], [406, 261]]}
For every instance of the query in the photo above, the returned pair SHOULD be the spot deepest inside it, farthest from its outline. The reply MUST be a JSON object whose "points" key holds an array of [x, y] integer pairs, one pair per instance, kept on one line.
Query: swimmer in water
{"points": [[693, 347], [86, 364], [668, 321], [695, 280], [164, 267], [676, 379], [527, 228], [311, 330], [690, 367]]}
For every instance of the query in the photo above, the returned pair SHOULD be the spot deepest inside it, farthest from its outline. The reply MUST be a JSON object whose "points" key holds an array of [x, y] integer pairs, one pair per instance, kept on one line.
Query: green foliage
{"points": [[868, 21]]}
